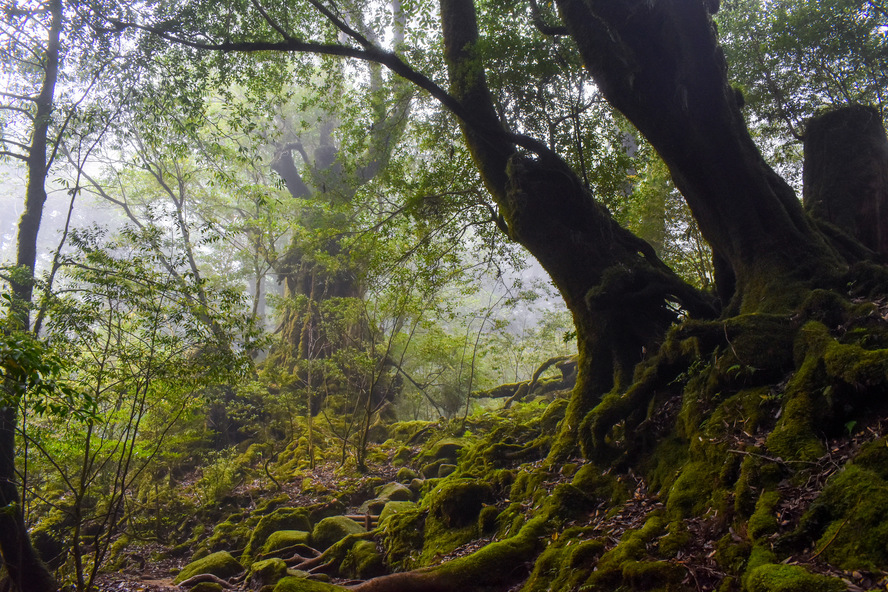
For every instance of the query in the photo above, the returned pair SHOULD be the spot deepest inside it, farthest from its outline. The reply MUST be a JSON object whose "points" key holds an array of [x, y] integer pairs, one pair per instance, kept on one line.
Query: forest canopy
{"points": [[274, 237]]}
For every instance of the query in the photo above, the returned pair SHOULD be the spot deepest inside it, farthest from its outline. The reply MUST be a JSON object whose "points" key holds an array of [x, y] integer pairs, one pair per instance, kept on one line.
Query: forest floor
{"points": [[698, 558]]}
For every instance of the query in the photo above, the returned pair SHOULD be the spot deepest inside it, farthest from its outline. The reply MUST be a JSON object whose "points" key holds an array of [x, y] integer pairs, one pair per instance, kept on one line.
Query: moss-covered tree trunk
{"points": [[618, 291], [846, 174]]}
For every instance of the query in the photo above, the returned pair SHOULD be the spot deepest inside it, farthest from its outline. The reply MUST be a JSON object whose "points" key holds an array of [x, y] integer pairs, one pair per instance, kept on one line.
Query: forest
{"points": [[460, 295]]}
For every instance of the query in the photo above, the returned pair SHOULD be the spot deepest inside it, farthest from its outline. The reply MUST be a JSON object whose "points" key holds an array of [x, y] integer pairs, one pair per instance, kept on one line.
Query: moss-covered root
{"points": [[493, 566]]}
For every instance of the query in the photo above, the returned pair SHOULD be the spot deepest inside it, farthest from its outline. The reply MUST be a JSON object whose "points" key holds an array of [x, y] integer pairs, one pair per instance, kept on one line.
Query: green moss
{"points": [[233, 533], [564, 565], [207, 587], [605, 487], [453, 515], [873, 456], [402, 456], [790, 578], [362, 561], [855, 506], [653, 575], [279, 519], [401, 536], [855, 365], [691, 493], [763, 521], [292, 584], [553, 414], [220, 564], [392, 508], [743, 410], [632, 548], [330, 530], [732, 554], [756, 473], [445, 470], [283, 539], [677, 538], [794, 436], [267, 572], [406, 475], [664, 464], [487, 519], [493, 564]]}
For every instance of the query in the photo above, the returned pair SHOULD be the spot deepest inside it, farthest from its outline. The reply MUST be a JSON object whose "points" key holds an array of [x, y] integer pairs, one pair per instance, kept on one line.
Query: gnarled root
{"points": [[498, 563]]}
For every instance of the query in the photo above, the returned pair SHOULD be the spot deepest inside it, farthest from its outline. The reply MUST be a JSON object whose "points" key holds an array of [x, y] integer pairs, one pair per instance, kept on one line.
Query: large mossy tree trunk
{"points": [[328, 184], [621, 295], [659, 63], [846, 175]]}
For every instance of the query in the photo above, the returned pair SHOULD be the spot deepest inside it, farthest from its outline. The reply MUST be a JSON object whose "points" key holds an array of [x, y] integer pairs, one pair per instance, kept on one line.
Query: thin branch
{"points": [[369, 54], [540, 23]]}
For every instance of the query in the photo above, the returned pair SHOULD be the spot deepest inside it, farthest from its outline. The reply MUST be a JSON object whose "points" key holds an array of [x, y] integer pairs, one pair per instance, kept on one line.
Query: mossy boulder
{"points": [[333, 529], [777, 577], [454, 508], [283, 539], [207, 587], [402, 534], [280, 519], [233, 533], [392, 508], [447, 449], [220, 564], [295, 584], [445, 470], [267, 572], [406, 475], [394, 492], [384, 494], [458, 502], [430, 470], [362, 561]]}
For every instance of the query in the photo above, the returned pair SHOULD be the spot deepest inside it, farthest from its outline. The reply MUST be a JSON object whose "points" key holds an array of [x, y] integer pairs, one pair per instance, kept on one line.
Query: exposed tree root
{"points": [[195, 580], [495, 565]]}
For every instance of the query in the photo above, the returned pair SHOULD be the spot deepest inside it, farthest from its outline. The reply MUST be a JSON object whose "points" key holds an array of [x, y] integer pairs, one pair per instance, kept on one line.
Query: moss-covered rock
{"points": [[267, 572], [207, 587], [220, 564], [447, 449], [362, 561], [333, 529], [232, 533], [445, 470], [392, 508], [406, 475], [294, 584], [280, 519], [283, 539], [790, 578], [453, 515]]}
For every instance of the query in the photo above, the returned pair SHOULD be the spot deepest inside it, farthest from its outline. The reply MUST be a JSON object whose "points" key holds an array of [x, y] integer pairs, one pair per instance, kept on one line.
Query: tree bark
{"points": [[846, 174], [659, 63], [24, 567]]}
